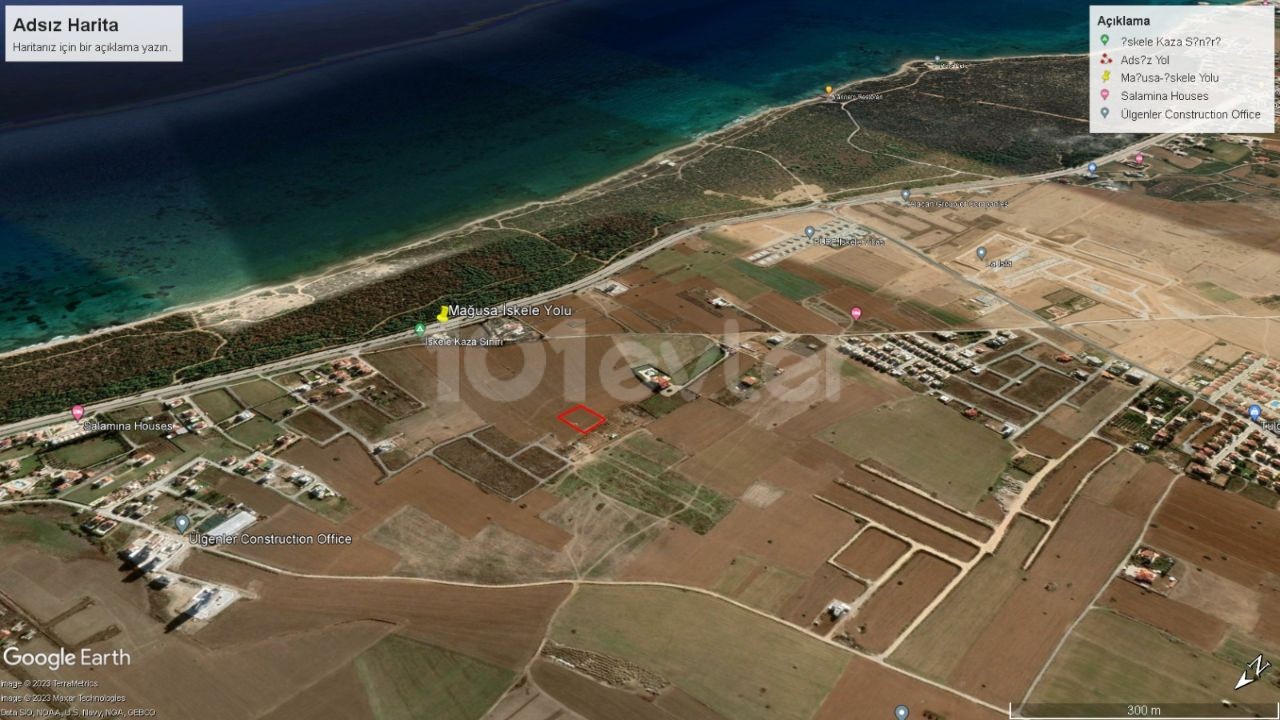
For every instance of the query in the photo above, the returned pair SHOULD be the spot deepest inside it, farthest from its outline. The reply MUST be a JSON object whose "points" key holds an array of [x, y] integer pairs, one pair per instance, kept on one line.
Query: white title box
{"points": [[1193, 69], [93, 33]]}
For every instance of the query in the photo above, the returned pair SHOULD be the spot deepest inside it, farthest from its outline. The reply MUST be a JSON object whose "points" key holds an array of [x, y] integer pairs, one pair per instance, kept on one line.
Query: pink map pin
{"points": [[1138, 158], [1105, 93], [855, 313], [77, 412]]}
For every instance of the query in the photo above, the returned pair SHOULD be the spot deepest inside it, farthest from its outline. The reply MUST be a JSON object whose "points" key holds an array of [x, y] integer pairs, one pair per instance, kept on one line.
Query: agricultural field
{"points": [[1112, 659], [404, 678], [710, 650], [894, 434]]}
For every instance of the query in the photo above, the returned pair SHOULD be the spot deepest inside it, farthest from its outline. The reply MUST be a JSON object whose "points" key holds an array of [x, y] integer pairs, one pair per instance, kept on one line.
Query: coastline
{"points": [[364, 264]]}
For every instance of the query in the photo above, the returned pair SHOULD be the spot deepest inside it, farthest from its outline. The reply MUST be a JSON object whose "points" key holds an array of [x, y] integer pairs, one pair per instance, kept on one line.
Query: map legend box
{"points": [[1195, 69]]}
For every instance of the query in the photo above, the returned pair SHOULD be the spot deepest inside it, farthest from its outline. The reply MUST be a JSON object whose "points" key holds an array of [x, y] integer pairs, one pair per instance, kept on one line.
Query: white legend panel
{"points": [[1184, 69]]}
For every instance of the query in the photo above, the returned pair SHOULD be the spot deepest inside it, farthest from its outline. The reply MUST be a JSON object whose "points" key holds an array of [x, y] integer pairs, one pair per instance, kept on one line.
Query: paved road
{"points": [[542, 298]]}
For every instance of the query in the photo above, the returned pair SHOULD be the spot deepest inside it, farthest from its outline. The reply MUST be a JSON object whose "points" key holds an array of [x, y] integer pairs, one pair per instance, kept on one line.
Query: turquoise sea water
{"points": [[110, 218]]}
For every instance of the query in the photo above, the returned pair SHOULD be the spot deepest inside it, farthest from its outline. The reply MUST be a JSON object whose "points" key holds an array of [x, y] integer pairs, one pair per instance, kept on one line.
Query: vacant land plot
{"points": [[1112, 659], [936, 647], [695, 426], [875, 690], [664, 494], [1045, 442], [405, 679], [1042, 388], [217, 404], [85, 453], [1194, 626], [593, 699], [365, 419], [899, 600], [539, 461], [756, 583], [314, 425], [257, 392], [872, 553], [881, 435], [499, 441], [899, 496], [256, 432], [968, 393], [712, 650], [1013, 365], [1053, 492], [858, 504], [485, 468]]}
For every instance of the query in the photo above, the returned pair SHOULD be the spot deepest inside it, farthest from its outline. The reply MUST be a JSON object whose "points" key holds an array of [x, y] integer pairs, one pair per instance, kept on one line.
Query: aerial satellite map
{"points": [[623, 360]]}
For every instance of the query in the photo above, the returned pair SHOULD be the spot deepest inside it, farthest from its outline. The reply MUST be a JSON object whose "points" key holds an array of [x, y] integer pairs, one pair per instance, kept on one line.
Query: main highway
{"points": [[594, 278]]}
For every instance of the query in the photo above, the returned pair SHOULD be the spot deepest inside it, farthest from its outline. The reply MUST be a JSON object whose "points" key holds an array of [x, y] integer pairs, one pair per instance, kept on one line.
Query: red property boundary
{"points": [[564, 418]]}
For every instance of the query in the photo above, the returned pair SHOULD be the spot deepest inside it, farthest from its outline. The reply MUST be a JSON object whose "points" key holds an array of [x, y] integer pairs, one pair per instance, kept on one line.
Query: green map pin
{"points": [[1105, 39], [420, 328]]}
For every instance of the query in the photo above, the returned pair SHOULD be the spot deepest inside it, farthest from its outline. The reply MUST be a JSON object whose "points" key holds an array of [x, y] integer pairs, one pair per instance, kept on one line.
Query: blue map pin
{"points": [[1105, 112], [182, 522], [906, 193], [982, 253], [901, 712], [1093, 168], [808, 231], [1255, 412]]}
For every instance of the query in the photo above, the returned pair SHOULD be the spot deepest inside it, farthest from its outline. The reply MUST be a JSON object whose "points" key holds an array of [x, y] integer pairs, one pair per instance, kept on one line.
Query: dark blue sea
{"points": [[109, 217]]}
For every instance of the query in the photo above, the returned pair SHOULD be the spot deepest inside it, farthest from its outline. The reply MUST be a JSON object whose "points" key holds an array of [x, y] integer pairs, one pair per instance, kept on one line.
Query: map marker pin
{"points": [[1093, 168], [906, 194], [1105, 112], [182, 522], [982, 254], [77, 412], [420, 329], [855, 313], [1138, 158], [809, 231], [1255, 412], [901, 712], [1105, 93]]}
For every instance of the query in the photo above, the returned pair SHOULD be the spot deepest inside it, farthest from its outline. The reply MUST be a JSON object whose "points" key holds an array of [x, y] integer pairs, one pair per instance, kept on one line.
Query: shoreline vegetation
{"points": [[922, 125]]}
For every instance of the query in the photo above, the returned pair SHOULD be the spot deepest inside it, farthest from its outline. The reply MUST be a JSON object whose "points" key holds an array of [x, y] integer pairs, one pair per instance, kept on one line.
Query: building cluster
{"points": [[14, 630], [1237, 447], [1151, 570], [928, 362], [328, 381]]}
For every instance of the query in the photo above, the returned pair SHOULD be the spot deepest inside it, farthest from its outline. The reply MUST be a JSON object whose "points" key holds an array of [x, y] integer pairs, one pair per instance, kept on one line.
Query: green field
{"points": [[217, 404], [920, 438], [16, 527], [407, 680], [739, 664], [1216, 293], [642, 483], [937, 646], [257, 392], [789, 285], [85, 453], [255, 431], [1111, 658], [679, 355]]}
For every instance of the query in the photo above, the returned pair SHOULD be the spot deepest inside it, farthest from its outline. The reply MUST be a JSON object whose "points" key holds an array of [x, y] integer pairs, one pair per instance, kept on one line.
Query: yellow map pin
{"points": [[829, 89], [444, 314]]}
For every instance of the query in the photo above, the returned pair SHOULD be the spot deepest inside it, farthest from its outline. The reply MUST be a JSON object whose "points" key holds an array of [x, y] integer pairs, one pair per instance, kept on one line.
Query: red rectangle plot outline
{"points": [[564, 418]]}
